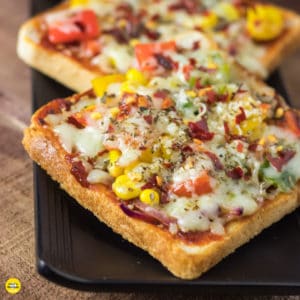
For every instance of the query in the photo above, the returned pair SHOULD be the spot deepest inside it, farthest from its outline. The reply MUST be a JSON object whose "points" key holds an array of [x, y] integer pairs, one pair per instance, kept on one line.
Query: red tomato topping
{"points": [[283, 158], [145, 53], [240, 117], [199, 130], [200, 185], [240, 147], [292, 122], [83, 25]]}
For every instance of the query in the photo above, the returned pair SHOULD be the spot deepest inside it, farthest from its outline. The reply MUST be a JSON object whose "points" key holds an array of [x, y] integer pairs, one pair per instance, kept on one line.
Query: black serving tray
{"points": [[76, 250]]}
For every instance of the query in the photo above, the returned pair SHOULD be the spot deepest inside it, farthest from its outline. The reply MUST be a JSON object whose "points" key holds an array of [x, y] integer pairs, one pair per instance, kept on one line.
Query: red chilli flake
{"points": [[283, 157], [196, 45], [148, 119], [199, 130], [164, 61], [79, 172], [235, 173], [240, 117], [162, 94], [72, 120]]}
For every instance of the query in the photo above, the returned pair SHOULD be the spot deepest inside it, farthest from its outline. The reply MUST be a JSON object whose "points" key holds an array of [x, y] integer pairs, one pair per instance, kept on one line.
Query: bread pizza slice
{"points": [[79, 40], [187, 165]]}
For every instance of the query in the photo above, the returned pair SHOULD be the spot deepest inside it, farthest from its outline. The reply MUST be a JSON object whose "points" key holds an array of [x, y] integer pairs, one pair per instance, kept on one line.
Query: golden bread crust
{"points": [[184, 259]]}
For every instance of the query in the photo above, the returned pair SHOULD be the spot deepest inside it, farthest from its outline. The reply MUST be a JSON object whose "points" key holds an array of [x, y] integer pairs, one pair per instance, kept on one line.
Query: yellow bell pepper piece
{"points": [[100, 84], [253, 127], [209, 21], [227, 11], [113, 168], [135, 76], [150, 197], [75, 3], [264, 22], [125, 188]]}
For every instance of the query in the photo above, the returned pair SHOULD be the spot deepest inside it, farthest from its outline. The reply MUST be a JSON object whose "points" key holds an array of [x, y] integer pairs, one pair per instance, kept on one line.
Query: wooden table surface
{"points": [[17, 254]]}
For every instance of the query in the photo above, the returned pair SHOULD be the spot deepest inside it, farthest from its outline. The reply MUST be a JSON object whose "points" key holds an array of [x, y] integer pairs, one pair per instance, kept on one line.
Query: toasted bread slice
{"points": [[184, 258], [77, 75]]}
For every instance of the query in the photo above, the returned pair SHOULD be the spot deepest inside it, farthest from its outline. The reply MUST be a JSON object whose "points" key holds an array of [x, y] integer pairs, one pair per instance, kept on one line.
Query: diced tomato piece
{"points": [[240, 147], [292, 122], [83, 25], [64, 32], [91, 48], [199, 186], [88, 20], [182, 190], [145, 52], [202, 185], [167, 103]]}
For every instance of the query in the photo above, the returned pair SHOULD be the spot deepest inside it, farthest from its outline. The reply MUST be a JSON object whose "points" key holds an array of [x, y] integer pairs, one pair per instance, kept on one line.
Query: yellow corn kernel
{"points": [[100, 84], [264, 22], [150, 197], [279, 112], [75, 3], [135, 76], [191, 93], [125, 188], [114, 111], [208, 21], [113, 168], [227, 11], [96, 116]]}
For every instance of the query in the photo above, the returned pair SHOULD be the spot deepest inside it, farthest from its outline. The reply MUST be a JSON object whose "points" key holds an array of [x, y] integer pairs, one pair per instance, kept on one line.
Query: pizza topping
{"points": [[81, 26], [79, 172], [148, 55], [200, 130], [282, 158], [292, 121], [177, 146], [264, 22]]}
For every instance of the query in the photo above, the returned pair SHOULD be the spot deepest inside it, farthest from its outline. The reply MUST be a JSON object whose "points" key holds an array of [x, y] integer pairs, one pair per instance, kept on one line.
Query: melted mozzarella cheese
{"points": [[87, 141]]}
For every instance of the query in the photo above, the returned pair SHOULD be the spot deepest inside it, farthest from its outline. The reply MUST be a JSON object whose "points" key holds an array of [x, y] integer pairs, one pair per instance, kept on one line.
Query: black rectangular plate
{"points": [[76, 250]]}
